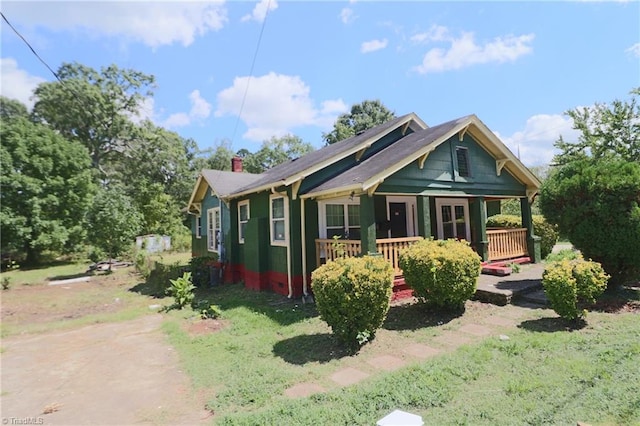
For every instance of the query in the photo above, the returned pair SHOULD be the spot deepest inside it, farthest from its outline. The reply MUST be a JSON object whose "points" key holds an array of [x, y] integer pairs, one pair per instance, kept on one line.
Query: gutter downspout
{"points": [[289, 253], [303, 237]]}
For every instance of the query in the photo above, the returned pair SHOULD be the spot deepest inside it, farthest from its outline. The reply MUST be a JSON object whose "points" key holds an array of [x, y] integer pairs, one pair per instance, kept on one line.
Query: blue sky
{"points": [[517, 65]]}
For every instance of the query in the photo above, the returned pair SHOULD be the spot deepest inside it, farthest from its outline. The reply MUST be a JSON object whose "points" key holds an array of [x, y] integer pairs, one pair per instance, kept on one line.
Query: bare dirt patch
{"points": [[205, 326], [120, 373]]}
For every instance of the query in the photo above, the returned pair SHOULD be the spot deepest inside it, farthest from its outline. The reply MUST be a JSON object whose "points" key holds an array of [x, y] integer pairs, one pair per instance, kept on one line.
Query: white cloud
{"points": [[347, 15], [634, 50], [535, 141], [275, 104], [200, 109], [373, 45], [260, 11], [435, 33], [16, 83], [465, 52], [152, 23]]}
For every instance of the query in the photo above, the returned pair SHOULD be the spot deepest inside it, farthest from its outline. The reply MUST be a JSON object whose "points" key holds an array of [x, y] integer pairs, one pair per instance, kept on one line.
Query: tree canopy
{"points": [[275, 151], [361, 117], [94, 108], [606, 130], [46, 189], [593, 194]]}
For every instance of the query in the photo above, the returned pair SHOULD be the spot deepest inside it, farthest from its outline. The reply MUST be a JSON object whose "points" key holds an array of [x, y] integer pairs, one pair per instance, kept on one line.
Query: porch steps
{"points": [[502, 268], [400, 289]]}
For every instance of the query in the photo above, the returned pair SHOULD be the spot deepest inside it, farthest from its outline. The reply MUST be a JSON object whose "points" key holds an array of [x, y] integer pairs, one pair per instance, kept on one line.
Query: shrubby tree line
{"points": [[82, 173]]}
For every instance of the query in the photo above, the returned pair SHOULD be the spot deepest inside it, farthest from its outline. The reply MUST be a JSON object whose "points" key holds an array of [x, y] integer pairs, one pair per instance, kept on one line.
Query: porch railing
{"points": [[390, 249], [507, 243], [328, 249]]}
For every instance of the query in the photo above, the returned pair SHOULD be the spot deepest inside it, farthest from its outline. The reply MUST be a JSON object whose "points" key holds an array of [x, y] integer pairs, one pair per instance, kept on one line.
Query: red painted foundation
{"points": [[264, 281]]}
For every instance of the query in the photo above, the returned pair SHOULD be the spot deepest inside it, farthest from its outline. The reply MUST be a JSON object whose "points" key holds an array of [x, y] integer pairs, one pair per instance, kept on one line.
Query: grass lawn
{"points": [[544, 374]]}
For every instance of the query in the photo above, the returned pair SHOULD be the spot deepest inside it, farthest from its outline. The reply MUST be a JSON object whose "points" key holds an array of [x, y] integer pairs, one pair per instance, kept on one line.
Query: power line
{"points": [[253, 63]]}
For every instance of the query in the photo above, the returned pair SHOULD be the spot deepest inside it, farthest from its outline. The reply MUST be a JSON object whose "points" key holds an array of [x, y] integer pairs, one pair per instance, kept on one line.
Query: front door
{"points": [[398, 219], [452, 215]]}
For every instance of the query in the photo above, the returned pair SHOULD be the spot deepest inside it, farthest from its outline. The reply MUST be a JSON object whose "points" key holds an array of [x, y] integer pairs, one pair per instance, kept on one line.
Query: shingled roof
{"points": [[223, 183], [289, 172]]}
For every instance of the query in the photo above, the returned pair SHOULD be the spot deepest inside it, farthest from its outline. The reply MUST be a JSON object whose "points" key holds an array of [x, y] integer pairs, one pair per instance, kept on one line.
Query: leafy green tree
{"points": [[220, 157], [46, 185], [593, 195], [94, 107], [596, 204], [363, 116], [605, 131], [113, 221], [10, 108], [275, 151]]}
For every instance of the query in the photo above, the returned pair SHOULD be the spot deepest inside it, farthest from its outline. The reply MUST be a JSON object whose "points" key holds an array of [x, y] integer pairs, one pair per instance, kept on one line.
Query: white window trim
{"points": [[453, 202], [240, 204], [211, 236], [199, 226], [322, 215], [275, 242], [410, 202]]}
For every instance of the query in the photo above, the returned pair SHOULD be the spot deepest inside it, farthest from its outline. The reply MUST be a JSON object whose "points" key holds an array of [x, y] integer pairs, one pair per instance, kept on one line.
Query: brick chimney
{"points": [[236, 164]]}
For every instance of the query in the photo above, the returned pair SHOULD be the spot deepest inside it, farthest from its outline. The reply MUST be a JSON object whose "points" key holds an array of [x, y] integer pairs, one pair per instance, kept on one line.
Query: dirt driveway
{"points": [[116, 373]]}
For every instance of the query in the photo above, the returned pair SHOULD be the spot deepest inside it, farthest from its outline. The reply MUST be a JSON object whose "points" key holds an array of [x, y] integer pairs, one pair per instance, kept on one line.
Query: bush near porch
{"points": [[353, 296], [442, 273], [547, 232]]}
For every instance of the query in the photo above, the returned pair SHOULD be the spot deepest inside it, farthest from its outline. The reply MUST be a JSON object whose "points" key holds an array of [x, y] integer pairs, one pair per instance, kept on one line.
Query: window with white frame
{"points": [[213, 229], [341, 218], [279, 217], [462, 157], [243, 218], [198, 226]]}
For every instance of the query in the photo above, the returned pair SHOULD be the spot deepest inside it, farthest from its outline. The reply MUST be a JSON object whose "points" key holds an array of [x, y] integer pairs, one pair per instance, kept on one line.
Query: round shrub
{"points": [[572, 285], [442, 273], [547, 232], [353, 295]]}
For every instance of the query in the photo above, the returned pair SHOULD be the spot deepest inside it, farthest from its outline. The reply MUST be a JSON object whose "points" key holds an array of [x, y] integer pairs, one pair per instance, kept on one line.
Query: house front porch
{"points": [[503, 245]]}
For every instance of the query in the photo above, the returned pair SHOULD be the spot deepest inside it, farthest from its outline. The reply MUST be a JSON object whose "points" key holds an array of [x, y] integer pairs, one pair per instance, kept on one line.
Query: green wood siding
{"points": [[439, 175], [199, 245]]}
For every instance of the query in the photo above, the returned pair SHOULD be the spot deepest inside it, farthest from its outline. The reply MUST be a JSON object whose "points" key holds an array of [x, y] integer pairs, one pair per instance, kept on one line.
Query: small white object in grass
{"points": [[504, 337], [400, 418], [155, 306]]}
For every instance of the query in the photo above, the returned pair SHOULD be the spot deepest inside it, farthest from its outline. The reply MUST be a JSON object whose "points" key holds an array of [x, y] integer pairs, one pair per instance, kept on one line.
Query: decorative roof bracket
{"points": [[295, 188], [422, 159], [405, 127], [531, 194], [360, 153], [462, 133], [500, 165]]}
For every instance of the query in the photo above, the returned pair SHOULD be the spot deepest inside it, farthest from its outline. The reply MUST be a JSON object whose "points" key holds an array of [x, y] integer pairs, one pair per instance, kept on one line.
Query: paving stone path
{"points": [[491, 325]]}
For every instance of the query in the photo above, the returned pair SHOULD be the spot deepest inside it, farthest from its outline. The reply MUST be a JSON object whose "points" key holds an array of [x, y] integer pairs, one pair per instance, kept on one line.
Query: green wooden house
{"points": [[377, 191]]}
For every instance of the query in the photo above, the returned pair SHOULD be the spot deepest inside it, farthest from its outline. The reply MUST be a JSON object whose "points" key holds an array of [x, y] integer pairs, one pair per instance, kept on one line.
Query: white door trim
{"points": [[410, 202], [464, 202]]}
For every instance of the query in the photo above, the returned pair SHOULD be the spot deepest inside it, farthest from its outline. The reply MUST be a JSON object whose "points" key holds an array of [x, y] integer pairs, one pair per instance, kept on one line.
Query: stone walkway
{"points": [[495, 324]]}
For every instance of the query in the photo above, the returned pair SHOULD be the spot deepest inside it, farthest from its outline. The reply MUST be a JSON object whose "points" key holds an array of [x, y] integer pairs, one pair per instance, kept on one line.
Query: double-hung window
{"points": [[279, 217], [213, 229], [243, 218], [462, 159], [341, 218]]}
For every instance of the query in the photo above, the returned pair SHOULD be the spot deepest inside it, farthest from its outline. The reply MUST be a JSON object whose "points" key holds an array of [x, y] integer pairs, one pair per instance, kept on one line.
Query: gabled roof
{"points": [[222, 183], [294, 170], [371, 172]]}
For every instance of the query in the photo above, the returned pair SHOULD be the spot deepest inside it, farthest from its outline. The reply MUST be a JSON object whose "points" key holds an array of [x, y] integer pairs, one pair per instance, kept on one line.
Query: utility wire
{"points": [[253, 63]]}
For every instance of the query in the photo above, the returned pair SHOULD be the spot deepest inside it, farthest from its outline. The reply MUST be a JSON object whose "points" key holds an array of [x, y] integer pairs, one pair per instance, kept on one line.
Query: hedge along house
{"points": [[377, 192]]}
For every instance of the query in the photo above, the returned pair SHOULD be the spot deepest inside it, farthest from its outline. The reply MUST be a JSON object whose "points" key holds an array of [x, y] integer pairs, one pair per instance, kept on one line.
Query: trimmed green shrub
{"points": [[442, 273], [547, 232], [352, 296], [160, 277], [572, 285], [200, 268]]}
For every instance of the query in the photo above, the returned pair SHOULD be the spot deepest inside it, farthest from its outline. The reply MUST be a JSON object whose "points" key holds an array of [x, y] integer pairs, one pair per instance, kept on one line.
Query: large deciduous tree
{"points": [[594, 194], [361, 117], [94, 107], [113, 221], [275, 151], [46, 185]]}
